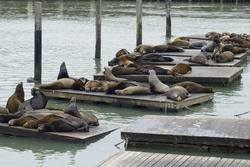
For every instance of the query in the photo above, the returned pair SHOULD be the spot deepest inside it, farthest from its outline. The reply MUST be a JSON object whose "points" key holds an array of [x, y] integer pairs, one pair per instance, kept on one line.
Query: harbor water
{"points": [[68, 34]]}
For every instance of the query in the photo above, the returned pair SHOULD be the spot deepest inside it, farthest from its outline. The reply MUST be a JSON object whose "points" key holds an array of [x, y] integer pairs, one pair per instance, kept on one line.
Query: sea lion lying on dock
{"points": [[180, 68], [110, 77], [156, 86], [224, 57], [121, 52], [177, 93], [167, 48], [79, 84], [193, 87], [54, 122], [16, 99], [212, 35], [97, 86], [210, 47], [200, 59], [121, 85], [180, 43], [134, 90], [64, 83], [197, 45], [144, 49]]}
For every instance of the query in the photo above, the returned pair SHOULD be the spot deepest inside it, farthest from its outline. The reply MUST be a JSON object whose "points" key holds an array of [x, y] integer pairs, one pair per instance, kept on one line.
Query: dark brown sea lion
{"points": [[237, 50], [182, 38], [156, 86], [144, 49], [63, 72], [97, 86], [134, 90], [181, 68], [64, 83], [121, 52], [224, 57], [200, 59], [193, 87], [110, 77], [16, 99], [210, 47], [177, 93], [167, 48], [124, 59], [179, 43], [79, 84], [153, 57], [121, 85]]}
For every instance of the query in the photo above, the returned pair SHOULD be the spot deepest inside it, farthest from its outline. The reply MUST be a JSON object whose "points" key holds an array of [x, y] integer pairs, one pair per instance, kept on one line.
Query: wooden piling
{"points": [[98, 30], [168, 20], [38, 42], [138, 22]]}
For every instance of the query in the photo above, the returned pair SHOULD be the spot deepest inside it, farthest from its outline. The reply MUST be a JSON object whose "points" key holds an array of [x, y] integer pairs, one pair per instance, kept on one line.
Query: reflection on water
{"points": [[69, 35]]}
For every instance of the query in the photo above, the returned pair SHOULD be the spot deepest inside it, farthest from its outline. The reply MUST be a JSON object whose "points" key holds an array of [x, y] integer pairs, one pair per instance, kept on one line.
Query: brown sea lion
{"points": [[3, 110], [121, 85], [64, 83], [79, 84], [182, 38], [121, 52], [110, 77], [210, 47], [200, 59], [124, 59], [153, 57], [237, 50], [177, 93], [179, 43], [181, 68], [213, 34], [167, 48], [97, 86], [144, 49], [224, 57], [16, 99], [134, 90], [156, 86], [193, 87]]}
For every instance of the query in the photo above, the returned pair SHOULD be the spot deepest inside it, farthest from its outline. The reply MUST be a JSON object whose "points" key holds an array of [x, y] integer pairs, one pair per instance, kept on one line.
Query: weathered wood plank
{"points": [[181, 161], [200, 162], [148, 162], [142, 159], [205, 131], [166, 160], [76, 136], [199, 74], [211, 162]]}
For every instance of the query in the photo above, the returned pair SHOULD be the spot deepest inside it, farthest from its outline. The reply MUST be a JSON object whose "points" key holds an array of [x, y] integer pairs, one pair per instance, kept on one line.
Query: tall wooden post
{"points": [[168, 19], [38, 42], [138, 22], [98, 30]]}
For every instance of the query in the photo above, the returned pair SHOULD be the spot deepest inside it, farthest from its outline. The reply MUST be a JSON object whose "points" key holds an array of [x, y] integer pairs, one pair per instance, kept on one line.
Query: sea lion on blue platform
{"points": [[16, 99], [177, 93], [134, 90], [64, 83], [193, 87], [155, 84]]}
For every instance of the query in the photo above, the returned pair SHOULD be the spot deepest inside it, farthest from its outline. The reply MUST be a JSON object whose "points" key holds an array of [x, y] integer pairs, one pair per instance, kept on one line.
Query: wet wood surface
{"points": [[76, 136], [155, 100], [199, 74], [146, 159], [208, 132]]}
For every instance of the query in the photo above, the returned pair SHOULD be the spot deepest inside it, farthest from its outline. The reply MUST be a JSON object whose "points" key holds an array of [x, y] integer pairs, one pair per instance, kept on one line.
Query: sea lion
{"points": [[64, 83], [110, 77], [153, 57], [16, 99], [177, 93], [200, 59], [237, 50], [210, 47], [124, 59], [121, 85], [63, 72], [134, 90], [193, 87], [180, 68], [182, 38], [197, 45], [224, 57], [3, 110], [213, 34], [156, 86], [144, 49], [179, 43], [97, 86], [167, 48], [121, 52], [79, 84]]}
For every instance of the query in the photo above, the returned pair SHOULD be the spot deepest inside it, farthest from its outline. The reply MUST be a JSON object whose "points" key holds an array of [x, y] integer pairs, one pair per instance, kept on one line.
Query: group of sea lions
{"points": [[32, 113], [122, 86]]}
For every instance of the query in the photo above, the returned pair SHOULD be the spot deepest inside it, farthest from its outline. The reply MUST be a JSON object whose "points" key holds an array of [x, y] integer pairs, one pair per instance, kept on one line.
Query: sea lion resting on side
{"points": [[64, 83], [200, 59], [210, 47], [110, 77], [121, 52], [121, 85], [224, 57], [180, 68], [144, 49], [193, 87], [197, 45], [180, 43], [156, 85], [55, 122], [177, 93], [97, 86], [134, 90], [167, 48], [16, 99], [153, 57], [79, 84]]}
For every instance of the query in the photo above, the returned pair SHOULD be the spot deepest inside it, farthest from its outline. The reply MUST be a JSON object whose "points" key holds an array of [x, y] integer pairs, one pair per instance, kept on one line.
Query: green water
{"points": [[69, 35]]}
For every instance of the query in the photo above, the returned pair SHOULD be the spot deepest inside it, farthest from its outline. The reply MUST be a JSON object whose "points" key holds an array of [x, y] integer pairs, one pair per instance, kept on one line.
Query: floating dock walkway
{"points": [[153, 101], [200, 74], [146, 159], [76, 136], [208, 134]]}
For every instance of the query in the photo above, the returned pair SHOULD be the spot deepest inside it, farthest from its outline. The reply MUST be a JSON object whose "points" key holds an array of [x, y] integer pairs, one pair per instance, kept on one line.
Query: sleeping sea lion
{"points": [[97, 86], [193, 87], [197, 45], [121, 52], [64, 83], [153, 57], [179, 43], [121, 85], [134, 90], [177, 93], [63, 72], [167, 48], [182, 38], [237, 50], [213, 34], [155, 84], [110, 77], [181, 68], [144, 49], [200, 59], [224, 57], [79, 84], [16, 99], [210, 47]]}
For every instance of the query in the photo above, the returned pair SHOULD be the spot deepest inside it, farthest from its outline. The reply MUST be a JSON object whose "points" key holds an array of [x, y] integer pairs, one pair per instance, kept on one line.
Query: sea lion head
{"points": [[121, 52], [71, 108], [80, 84], [216, 39]]}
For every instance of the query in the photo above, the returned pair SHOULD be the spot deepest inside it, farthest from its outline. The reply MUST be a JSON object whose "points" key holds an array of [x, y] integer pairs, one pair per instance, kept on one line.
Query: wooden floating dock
{"points": [[147, 159], [155, 101], [77, 136], [199, 74], [207, 134]]}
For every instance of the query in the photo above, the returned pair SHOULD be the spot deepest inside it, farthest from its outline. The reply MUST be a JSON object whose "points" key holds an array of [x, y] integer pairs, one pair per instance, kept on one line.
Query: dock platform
{"points": [[206, 134], [77, 136], [153, 101], [200, 74], [147, 159]]}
